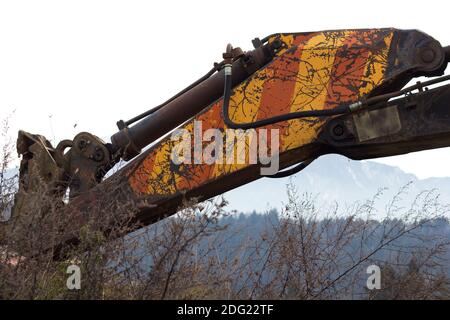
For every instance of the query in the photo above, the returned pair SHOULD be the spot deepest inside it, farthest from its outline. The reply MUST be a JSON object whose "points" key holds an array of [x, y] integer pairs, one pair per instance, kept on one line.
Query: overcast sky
{"points": [[91, 63]]}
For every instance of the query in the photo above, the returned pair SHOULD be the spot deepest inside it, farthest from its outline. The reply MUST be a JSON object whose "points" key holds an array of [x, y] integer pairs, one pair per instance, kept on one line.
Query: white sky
{"points": [[92, 63]]}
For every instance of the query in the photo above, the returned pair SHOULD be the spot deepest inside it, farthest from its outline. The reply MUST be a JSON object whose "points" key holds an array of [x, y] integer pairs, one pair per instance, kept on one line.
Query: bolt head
{"points": [[277, 44], [428, 55], [99, 155], [338, 130], [82, 144]]}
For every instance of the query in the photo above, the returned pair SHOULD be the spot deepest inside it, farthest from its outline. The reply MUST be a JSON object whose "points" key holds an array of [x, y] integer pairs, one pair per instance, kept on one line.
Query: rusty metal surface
{"points": [[78, 165], [423, 124], [371, 124], [315, 71], [189, 104], [41, 164], [318, 70]]}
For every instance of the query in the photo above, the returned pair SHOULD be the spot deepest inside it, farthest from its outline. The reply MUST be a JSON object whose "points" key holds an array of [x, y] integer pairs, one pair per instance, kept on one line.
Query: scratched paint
{"points": [[319, 70]]}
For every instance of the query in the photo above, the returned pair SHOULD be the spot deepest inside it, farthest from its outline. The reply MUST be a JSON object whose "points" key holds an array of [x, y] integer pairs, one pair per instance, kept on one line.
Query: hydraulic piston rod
{"points": [[130, 140]]}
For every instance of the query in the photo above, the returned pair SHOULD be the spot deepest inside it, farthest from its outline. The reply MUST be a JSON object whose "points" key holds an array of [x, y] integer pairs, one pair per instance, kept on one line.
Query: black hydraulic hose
{"points": [[312, 113], [315, 113], [194, 84], [418, 86], [261, 123], [288, 172]]}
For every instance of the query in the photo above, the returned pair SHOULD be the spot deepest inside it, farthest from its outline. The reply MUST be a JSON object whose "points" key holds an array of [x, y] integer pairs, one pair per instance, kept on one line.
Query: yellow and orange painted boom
{"points": [[329, 91]]}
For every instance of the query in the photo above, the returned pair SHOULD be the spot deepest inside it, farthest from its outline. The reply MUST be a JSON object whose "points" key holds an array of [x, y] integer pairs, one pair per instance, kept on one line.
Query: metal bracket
{"points": [[377, 123], [81, 168]]}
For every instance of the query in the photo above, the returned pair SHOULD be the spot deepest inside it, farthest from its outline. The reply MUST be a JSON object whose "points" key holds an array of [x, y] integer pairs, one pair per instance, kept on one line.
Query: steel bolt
{"points": [[338, 130], [98, 155], [277, 43], [82, 144], [428, 55]]}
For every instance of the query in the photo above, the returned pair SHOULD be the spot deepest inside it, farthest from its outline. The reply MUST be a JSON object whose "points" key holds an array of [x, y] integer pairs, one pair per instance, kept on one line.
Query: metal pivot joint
{"points": [[78, 165]]}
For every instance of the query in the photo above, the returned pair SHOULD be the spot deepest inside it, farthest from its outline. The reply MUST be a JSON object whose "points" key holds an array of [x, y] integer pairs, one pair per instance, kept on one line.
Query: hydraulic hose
{"points": [[296, 169], [344, 109], [261, 123]]}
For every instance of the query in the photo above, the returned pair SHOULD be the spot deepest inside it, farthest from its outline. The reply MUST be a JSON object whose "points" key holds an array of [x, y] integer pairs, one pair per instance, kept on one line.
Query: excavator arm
{"points": [[267, 112]]}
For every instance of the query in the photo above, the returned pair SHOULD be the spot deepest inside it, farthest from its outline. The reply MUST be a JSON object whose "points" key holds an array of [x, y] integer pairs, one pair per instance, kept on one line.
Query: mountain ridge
{"points": [[334, 178]]}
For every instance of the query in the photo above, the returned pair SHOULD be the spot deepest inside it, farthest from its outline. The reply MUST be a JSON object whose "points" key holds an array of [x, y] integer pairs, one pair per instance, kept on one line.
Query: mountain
{"points": [[334, 178]]}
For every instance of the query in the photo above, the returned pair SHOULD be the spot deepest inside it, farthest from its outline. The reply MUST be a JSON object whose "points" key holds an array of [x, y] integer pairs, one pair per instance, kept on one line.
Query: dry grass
{"points": [[308, 253]]}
